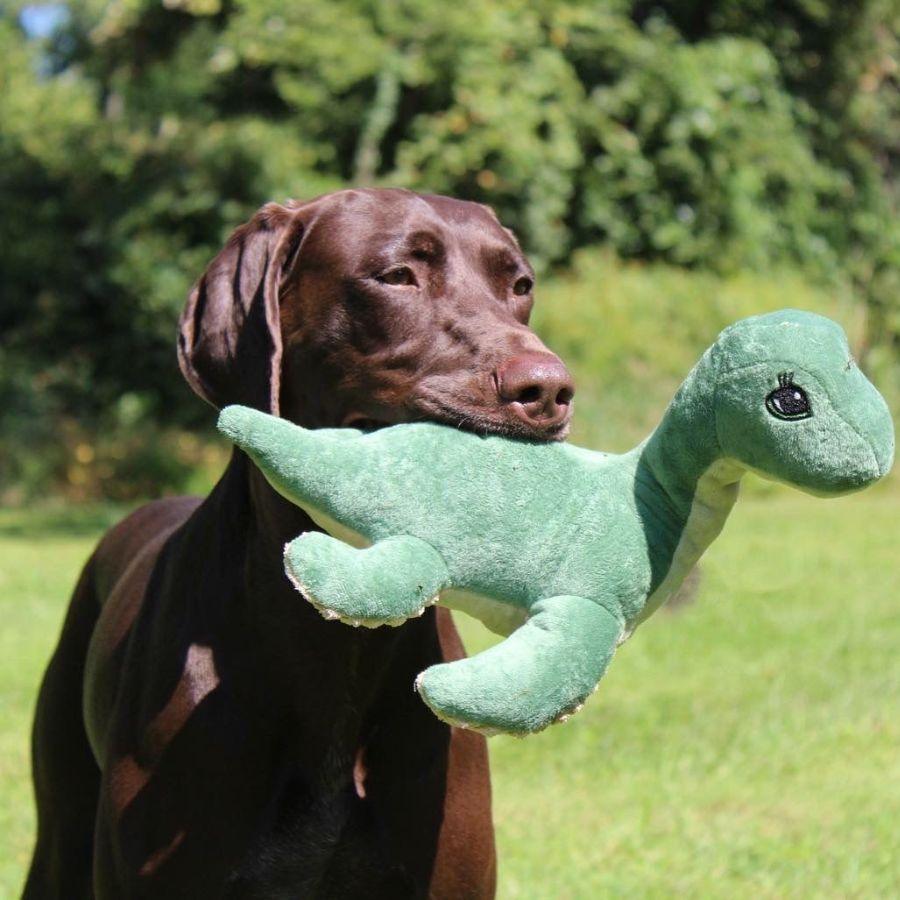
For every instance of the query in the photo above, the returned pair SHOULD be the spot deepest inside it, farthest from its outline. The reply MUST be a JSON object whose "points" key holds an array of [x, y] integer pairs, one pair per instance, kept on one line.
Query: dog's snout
{"points": [[537, 387]]}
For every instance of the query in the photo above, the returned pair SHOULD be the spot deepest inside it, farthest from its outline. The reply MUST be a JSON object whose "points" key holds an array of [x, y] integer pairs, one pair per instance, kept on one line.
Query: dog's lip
{"points": [[473, 419], [480, 421], [364, 422]]}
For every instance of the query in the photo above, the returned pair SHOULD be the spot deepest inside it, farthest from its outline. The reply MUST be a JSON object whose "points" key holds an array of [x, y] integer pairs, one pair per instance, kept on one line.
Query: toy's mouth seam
{"points": [[869, 445]]}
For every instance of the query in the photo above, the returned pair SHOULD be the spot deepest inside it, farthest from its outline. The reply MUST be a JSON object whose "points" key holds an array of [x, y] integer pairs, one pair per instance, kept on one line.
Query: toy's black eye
{"points": [[788, 401], [401, 275]]}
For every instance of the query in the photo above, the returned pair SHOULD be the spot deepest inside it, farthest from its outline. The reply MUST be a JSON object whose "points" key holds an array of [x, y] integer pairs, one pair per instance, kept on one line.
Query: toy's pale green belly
{"points": [[336, 529], [715, 494], [499, 616]]}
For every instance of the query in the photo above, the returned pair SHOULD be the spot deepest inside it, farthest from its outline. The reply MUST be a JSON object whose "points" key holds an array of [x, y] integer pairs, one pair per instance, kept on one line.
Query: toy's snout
{"points": [[537, 387], [871, 418], [851, 446]]}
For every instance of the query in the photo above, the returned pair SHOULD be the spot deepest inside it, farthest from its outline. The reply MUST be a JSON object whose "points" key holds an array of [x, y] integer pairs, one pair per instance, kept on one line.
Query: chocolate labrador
{"points": [[201, 731]]}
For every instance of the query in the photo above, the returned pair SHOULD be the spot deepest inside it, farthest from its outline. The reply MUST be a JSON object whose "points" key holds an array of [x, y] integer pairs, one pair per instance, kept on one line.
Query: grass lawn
{"points": [[747, 745]]}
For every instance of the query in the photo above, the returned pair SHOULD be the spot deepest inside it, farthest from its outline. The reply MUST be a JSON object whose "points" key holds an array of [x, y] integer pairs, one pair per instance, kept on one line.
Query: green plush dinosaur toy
{"points": [[564, 549]]}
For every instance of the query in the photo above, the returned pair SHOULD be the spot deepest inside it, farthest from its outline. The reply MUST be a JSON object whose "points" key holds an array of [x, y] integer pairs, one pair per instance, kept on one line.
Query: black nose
{"points": [[537, 387]]}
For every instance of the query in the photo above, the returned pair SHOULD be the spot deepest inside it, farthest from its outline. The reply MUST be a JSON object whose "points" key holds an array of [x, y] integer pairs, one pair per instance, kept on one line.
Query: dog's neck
{"points": [[277, 519], [317, 670]]}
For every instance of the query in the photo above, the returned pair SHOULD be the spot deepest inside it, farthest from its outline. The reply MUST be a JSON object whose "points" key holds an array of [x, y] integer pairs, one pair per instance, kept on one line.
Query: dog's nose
{"points": [[537, 387]]}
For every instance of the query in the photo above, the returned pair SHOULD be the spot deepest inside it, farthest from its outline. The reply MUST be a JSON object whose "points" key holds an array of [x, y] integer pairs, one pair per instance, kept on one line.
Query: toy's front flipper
{"points": [[385, 584], [542, 672]]}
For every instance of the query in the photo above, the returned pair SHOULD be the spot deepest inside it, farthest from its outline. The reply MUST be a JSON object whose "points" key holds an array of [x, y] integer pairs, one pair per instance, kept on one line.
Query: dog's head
{"points": [[371, 307]]}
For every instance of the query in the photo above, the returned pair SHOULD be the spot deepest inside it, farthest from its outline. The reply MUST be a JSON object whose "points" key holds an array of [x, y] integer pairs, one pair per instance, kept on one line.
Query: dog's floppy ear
{"points": [[229, 343]]}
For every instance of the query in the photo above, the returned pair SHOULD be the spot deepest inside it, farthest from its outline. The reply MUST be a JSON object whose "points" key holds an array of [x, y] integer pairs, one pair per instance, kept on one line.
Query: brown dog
{"points": [[201, 732]]}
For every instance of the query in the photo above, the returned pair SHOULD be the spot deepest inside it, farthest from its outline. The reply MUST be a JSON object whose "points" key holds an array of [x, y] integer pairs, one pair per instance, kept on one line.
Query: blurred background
{"points": [[669, 167]]}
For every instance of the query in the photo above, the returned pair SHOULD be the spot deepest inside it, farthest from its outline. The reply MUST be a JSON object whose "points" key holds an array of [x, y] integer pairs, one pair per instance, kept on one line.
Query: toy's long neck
{"points": [[685, 444], [684, 487]]}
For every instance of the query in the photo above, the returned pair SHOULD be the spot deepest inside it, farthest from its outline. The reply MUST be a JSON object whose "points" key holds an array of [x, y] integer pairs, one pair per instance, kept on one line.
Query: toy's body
{"points": [[505, 491], [577, 545]]}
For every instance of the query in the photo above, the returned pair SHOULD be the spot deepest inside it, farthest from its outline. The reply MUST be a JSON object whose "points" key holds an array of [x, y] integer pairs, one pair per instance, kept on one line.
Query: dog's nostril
{"points": [[565, 395], [529, 394], [537, 387]]}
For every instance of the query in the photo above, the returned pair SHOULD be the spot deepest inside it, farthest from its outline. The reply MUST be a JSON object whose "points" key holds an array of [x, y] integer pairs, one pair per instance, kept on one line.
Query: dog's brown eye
{"points": [[400, 275], [523, 286]]}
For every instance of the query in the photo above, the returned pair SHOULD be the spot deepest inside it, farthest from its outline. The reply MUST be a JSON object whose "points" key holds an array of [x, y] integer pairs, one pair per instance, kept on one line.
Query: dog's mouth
{"points": [[482, 422], [364, 423], [479, 421]]}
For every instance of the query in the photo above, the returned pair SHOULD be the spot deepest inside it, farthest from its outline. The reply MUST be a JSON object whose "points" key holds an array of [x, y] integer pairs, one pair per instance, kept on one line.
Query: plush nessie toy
{"points": [[564, 549]]}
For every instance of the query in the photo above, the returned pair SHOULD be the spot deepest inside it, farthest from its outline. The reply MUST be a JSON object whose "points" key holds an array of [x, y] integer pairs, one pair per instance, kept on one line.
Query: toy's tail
{"points": [[289, 456], [255, 431]]}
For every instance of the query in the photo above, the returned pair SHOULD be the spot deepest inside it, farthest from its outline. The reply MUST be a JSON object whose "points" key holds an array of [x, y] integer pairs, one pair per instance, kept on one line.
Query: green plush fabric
{"points": [[564, 549]]}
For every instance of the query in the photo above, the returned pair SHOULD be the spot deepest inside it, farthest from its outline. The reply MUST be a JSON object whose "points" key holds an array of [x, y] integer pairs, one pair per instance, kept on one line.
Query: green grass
{"points": [[747, 745], [41, 553]]}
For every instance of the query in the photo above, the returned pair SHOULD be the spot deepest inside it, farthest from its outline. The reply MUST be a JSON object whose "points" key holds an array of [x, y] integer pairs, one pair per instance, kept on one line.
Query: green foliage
{"points": [[699, 159], [718, 136]]}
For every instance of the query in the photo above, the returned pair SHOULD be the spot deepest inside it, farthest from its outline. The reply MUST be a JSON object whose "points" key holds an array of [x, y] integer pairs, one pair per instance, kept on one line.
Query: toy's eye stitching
{"points": [[788, 401]]}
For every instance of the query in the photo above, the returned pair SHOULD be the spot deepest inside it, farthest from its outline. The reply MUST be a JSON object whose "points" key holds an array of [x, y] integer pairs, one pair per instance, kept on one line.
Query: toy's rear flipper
{"points": [[541, 673]]}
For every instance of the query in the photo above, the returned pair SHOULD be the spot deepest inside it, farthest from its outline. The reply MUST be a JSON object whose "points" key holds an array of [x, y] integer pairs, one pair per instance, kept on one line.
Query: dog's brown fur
{"points": [[201, 731]]}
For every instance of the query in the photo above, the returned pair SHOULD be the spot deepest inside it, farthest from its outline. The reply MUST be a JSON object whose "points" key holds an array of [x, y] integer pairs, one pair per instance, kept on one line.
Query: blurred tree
{"points": [[840, 61], [722, 135]]}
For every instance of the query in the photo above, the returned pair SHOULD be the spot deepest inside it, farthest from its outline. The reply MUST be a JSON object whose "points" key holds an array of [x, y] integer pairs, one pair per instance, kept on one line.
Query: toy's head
{"points": [[792, 405]]}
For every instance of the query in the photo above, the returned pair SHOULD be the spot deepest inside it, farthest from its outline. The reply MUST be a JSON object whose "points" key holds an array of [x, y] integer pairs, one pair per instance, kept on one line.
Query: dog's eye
{"points": [[400, 275], [523, 286]]}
